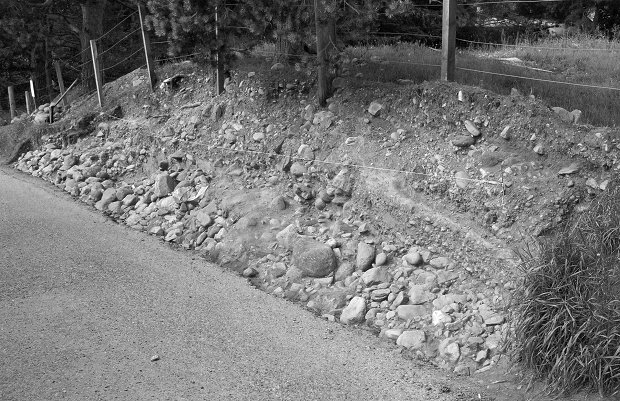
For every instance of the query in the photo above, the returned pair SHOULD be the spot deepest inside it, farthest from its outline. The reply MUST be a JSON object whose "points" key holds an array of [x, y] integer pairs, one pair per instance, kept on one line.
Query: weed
{"points": [[567, 317]]}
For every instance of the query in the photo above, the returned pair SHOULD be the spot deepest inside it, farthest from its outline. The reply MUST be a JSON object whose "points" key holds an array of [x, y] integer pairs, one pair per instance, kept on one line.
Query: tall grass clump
{"points": [[567, 318]]}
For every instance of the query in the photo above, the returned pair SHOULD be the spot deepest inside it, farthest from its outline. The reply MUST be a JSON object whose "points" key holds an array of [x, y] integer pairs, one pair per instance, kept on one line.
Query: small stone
{"points": [[412, 339], [380, 259], [375, 108], [344, 270], [505, 134], [413, 258], [258, 136], [393, 334], [278, 203], [449, 351], [441, 262], [540, 149], [463, 141], [440, 317], [376, 275], [481, 355], [298, 169], [408, 312], [155, 358], [462, 179], [354, 312], [493, 341], [365, 256], [380, 295], [164, 185], [490, 317], [572, 168], [591, 182], [471, 128], [418, 295]]}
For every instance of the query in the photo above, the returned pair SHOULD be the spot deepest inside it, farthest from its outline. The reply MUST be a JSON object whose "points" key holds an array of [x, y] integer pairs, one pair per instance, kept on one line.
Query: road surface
{"points": [[86, 303]]}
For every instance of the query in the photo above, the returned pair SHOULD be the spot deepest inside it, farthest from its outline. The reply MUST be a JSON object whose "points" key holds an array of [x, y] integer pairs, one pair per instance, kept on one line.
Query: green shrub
{"points": [[567, 318]]}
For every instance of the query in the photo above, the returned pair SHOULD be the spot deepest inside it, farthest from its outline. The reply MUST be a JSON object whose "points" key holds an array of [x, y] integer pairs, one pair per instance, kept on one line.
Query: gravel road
{"points": [[85, 305]]}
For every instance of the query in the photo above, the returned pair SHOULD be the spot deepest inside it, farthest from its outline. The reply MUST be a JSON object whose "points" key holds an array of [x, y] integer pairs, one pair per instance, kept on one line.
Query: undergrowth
{"points": [[567, 317]]}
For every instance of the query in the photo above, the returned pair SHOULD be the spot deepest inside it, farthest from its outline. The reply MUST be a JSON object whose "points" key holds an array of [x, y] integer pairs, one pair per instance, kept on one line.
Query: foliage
{"points": [[568, 317], [191, 24]]}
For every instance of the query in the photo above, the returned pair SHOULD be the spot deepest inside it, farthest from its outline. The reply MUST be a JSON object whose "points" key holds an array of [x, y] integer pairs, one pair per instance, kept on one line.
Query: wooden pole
{"points": [[448, 41], [321, 56], [33, 92], [48, 72], [219, 66], [97, 70], [146, 41], [28, 102], [12, 102], [67, 91], [61, 84]]}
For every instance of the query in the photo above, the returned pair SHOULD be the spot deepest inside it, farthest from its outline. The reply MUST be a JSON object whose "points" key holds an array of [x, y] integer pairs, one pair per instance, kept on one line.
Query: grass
{"points": [[599, 106], [567, 318]]}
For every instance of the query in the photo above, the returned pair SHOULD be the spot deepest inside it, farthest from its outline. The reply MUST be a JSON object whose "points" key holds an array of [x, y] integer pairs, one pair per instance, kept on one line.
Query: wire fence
{"points": [[120, 50]]}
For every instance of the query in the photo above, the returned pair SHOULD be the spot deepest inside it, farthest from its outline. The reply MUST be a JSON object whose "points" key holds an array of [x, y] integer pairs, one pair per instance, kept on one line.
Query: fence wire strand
{"points": [[123, 60], [119, 41]]}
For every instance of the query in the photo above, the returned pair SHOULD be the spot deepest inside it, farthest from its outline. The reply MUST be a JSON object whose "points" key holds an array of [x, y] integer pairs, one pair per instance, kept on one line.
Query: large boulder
{"points": [[314, 258]]}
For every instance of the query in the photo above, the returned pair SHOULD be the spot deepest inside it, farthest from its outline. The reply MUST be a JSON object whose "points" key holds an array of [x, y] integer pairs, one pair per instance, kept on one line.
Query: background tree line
{"points": [[33, 33]]}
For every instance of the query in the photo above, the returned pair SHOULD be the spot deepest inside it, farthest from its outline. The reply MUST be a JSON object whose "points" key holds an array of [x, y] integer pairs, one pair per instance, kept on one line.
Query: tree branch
{"points": [[73, 28]]}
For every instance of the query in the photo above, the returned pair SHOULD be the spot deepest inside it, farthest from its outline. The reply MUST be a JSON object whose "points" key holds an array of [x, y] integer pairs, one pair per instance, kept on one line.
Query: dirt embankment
{"points": [[396, 208]]}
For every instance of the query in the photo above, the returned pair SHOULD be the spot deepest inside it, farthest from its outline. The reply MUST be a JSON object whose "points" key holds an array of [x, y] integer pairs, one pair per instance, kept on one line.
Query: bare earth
{"points": [[85, 304]]}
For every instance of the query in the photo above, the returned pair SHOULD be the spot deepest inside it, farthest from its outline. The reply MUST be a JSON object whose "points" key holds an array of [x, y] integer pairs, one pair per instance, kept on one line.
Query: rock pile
{"points": [[333, 264]]}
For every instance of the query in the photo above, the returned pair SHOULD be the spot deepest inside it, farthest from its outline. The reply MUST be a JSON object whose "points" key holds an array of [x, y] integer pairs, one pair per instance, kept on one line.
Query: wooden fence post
{"points": [[61, 84], [146, 41], [448, 41], [321, 55], [219, 66], [97, 71], [28, 102], [12, 102], [33, 92]]}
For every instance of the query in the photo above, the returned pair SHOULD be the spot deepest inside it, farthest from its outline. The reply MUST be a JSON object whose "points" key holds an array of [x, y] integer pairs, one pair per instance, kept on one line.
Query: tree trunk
{"points": [[325, 50], [92, 28]]}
